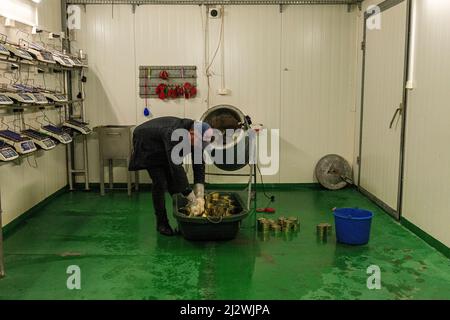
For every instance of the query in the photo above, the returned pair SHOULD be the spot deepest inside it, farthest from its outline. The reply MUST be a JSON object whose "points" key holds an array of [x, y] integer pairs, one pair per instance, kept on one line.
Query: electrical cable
{"points": [[271, 197], [219, 45], [35, 162]]}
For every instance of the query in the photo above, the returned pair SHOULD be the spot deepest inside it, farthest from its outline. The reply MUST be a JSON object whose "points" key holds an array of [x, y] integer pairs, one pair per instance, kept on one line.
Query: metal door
{"points": [[383, 104]]}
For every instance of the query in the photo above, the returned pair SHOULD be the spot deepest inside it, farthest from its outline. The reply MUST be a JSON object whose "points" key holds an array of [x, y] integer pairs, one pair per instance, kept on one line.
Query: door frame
{"points": [[384, 6]]}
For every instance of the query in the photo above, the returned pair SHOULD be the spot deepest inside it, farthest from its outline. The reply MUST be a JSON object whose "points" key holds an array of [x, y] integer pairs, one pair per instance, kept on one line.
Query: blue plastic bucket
{"points": [[352, 225]]}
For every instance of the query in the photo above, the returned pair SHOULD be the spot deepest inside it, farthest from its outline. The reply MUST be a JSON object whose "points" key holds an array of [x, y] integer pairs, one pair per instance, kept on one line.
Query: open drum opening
{"points": [[234, 147]]}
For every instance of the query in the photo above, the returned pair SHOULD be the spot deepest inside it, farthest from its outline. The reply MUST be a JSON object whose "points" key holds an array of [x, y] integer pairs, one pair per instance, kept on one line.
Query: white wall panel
{"points": [[168, 35], [253, 69], [318, 86], [111, 93], [36, 177], [49, 15], [426, 200]]}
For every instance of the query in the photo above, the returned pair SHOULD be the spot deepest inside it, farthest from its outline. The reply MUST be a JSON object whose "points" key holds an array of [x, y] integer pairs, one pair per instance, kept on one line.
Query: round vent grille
{"points": [[333, 172]]}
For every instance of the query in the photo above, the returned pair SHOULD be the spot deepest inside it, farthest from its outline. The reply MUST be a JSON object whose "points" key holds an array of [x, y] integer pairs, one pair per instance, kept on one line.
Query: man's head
{"points": [[201, 133]]}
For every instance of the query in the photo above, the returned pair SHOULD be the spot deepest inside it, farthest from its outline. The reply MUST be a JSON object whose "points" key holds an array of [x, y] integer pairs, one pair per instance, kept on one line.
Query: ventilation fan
{"points": [[333, 172]]}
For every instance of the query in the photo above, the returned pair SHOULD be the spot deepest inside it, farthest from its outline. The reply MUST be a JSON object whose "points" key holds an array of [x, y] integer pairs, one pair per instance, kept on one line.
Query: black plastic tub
{"points": [[204, 229]]}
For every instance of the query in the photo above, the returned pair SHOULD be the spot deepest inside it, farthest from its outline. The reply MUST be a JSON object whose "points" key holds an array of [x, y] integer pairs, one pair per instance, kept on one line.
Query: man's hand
{"points": [[199, 190], [196, 206]]}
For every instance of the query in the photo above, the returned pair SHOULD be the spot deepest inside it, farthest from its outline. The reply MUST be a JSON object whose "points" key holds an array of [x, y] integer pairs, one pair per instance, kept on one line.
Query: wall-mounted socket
{"points": [[10, 23], [224, 92], [53, 35], [36, 30]]}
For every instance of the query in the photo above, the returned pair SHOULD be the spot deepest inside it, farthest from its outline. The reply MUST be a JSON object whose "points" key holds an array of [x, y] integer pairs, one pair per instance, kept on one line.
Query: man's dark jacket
{"points": [[152, 147]]}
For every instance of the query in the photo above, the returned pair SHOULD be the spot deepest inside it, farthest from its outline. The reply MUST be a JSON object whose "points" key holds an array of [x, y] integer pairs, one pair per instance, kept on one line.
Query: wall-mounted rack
{"points": [[2, 266], [33, 105], [31, 55], [38, 64], [149, 78]]}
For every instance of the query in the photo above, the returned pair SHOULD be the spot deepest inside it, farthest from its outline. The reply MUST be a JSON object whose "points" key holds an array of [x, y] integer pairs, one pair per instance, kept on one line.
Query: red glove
{"points": [[180, 91], [187, 90], [172, 93], [193, 92], [161, 91], [164, 75]]}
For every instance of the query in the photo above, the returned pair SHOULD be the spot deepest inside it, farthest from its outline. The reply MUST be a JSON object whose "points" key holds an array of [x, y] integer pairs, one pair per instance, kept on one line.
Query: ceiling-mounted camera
{"points": [[215, 13]]}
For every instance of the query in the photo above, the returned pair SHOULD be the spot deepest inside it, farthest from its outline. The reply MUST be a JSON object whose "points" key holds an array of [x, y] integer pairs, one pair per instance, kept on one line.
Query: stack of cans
{"points": [[281, 225], [323, 231], [219, 205]]}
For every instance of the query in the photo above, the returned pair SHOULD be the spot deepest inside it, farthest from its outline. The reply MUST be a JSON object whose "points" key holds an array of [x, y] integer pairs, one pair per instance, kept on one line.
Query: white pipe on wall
{"points": [[410, 83]]}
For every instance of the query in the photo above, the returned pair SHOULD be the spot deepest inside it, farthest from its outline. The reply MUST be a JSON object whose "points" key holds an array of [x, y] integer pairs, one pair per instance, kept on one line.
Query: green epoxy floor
{"points": [[113, 240]]}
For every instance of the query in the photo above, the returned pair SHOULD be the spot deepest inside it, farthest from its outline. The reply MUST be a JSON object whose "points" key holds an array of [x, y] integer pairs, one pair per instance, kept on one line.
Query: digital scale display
{"points": [[39, 97], [47, 56], [8, 153], [5, 100], [3, 50], [49, 143], [25, 97], [27, 146]]}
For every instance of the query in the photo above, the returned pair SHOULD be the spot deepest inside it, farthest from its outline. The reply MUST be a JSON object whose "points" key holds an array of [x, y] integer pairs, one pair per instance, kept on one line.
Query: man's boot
{"points": [[163, 226]]}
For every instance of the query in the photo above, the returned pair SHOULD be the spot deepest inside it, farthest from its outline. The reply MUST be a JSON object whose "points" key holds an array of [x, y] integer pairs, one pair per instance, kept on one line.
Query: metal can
{"points": [[295, 223], [214, 196], [293, 219], [261, 222], [288, 226], [323, 230], [276, 228], [264, 236], [265, 226], [281, 220]]}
